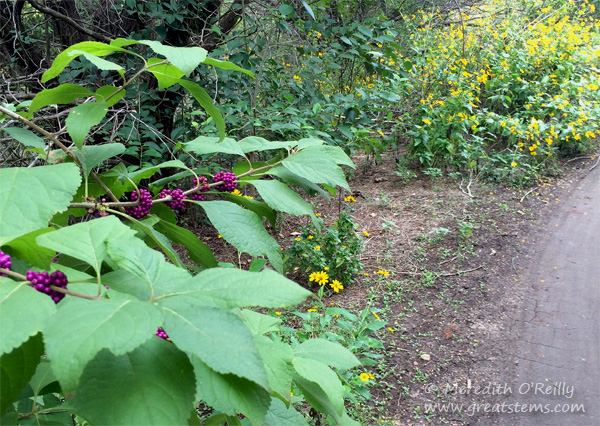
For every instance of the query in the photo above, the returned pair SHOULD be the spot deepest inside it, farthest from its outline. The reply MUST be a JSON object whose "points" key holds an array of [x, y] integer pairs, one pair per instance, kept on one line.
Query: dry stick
{"points": [[447, 274], [594, 166], [527, 193], [53, 287]]}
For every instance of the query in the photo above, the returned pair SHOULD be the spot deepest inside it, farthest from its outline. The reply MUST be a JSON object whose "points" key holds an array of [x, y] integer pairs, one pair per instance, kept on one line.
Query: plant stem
{"points": [[53, 287]]}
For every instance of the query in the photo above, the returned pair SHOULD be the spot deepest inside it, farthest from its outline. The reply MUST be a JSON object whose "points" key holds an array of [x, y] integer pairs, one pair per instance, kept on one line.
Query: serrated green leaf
{"points": [[184, 58], [318, 399], [256, 144], [228, 287], [205, 102], [69, 54], [280, 415], [217, 337], [63, 94], [209, 145], [84, 327], [226, 65], [321, 374], [197, 250], [154, 236], [16, 368], [277, 358], [312, 165], [26, 248], [259, 323], [100, 63], [243, 229], [294, 179], [156, 276], [92, 155], [53, 187], [229, 393], [166, 74], [82, 118], [25, 136], [332, 354], [23, 313], [152, 385], [261, 209], [280, 197], [87, 240], [107, 94]]}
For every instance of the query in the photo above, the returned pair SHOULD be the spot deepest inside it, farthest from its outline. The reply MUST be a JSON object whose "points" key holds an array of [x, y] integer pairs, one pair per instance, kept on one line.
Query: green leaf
{"points": [[166, 74], [243, 229], [30, 196], [157, 238], [66, 56], [286, 9], [100, 63], [26, 248], [258, 207], [84, 327], [209, 145], [228, 288], [309, 10], [280, 197], [318, 399], [256, 143], [260, 323], [92, 155], [82, 118], [321, 374], [16, 368], [332, 354], [277, 358], [312, 165], [63, 94], [42, 378], [107, 94], [155, 276], [184, 58], [23, 313], [226, 65], [25, 136], [197, 250], [229, 393], [205, 102], [294, 179], [87, 240], [152, 385], [217, 337], [280, 415]]}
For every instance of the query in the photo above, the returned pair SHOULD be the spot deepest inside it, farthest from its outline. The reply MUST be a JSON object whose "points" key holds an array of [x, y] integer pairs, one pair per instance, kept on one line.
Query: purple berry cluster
{"points": [[143, 208], [162, 334], [41, 281], [202, 182], [177, 195], [228, 179], [5, 262]]}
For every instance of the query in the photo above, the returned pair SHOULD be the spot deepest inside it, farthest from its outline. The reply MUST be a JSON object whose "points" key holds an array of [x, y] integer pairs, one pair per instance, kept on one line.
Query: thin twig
{"points": [[527, 193], [594, 166]]}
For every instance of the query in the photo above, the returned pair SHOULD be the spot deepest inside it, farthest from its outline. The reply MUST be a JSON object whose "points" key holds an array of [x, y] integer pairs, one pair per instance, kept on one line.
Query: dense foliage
{"points": [[114, 130]]}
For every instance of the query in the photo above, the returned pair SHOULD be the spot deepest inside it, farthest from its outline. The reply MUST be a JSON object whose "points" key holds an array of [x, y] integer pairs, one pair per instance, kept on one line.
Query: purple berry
{"points": [[162, 334], [5, 262], [227, 180], [200, 182], [177, 195], [41, 282], [143, 208]]}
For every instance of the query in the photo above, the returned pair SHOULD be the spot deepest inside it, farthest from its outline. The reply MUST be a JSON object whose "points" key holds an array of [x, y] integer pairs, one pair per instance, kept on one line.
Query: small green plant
{"points": [[333, 250], [404, 173]]}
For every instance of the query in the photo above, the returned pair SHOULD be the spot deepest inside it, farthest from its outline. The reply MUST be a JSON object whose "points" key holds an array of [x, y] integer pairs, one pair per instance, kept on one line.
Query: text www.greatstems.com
{"points": [[504, 407]]}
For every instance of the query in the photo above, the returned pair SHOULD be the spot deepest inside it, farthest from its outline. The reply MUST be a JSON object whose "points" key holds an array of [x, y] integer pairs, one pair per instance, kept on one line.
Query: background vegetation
{"points": [[177, 94]]}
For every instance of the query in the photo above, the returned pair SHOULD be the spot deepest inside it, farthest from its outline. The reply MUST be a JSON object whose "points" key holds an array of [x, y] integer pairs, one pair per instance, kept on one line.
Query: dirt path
{"points": [[556, 346]]}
